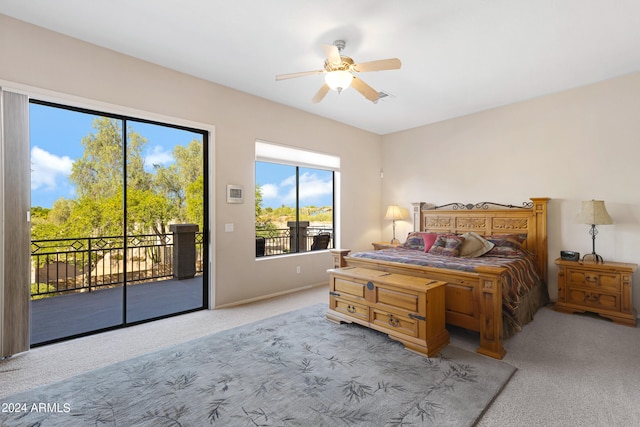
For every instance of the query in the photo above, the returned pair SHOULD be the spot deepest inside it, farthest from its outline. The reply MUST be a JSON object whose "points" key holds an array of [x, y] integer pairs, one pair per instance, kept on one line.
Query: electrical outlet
{"points": [[298, 269]]}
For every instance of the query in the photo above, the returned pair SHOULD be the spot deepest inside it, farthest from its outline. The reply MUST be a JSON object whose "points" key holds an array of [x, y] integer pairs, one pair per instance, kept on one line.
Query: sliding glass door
{"points": [[164, 219], [116, 204]]}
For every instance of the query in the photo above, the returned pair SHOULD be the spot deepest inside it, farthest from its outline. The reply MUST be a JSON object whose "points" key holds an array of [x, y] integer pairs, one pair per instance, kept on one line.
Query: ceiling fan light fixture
{"points": [[338, 80]]}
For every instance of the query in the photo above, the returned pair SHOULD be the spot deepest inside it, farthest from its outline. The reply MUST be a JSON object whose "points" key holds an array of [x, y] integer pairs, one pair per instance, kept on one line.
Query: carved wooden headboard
{"points": [[489, 218]]}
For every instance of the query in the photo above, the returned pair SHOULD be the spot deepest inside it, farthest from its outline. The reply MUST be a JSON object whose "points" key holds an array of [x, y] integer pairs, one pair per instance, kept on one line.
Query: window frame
{"points": [[277, 154]]}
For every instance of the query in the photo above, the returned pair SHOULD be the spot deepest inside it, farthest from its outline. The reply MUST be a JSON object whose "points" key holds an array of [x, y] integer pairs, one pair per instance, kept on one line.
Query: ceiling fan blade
{"points": [[332, 53], [294, 75], [367, 91], [324, 89], [379, 65]]}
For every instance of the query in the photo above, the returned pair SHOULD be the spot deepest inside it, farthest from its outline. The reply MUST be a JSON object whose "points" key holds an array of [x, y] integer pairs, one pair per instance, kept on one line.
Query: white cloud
{"points": [[287, 182], [158, 156], [312, 189], [269, 191], [47, 167]]}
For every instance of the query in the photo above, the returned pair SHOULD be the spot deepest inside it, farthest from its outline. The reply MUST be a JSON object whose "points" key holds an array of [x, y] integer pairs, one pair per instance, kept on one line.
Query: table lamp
{"points": [[394, 213], [594, 213]]}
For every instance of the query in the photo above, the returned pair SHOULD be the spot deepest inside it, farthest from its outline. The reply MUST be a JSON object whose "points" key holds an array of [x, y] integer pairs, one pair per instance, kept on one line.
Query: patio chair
{"points": [[321, 241]]}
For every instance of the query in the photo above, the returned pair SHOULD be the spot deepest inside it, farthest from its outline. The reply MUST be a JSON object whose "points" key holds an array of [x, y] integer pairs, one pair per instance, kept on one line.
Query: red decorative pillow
{"points": [[429, 240], [447, 245]]}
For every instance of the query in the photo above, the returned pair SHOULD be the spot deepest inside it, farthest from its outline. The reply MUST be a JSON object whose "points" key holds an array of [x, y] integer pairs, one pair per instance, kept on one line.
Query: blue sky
{"points": [[278, 185], [56, 142]]}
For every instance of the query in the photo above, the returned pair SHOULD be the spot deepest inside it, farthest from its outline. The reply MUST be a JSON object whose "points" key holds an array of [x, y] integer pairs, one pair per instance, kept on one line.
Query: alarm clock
{"points": [[570, 255]]}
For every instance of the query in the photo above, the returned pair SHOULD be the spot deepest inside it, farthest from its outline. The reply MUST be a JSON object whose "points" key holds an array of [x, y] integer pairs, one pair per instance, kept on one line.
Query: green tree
{"points": [[61, 211], [172, 194], [264, 224], [98, 173], [93, 217], [258, 202], [148, 211], [173, 181], [195, 202], [41, 226]]}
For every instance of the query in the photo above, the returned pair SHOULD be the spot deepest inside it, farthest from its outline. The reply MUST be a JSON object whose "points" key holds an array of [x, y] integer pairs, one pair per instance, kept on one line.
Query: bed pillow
{"points": [[447, 245], [474, 245], [509, 240], [429, 240], [414, 241], [506, 245]]}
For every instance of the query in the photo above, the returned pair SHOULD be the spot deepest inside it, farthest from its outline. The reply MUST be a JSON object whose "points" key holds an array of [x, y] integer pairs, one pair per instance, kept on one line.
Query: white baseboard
{"points": [[273, 295]]}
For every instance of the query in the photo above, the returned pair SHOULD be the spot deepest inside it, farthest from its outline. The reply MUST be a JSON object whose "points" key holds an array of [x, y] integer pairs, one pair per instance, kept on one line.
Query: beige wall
{"points": [[571, 146], [54, 67]]}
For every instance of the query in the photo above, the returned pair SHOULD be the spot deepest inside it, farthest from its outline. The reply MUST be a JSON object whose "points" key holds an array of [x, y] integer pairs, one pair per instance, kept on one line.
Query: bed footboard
{"points": [[472, 300], [490, 282]]}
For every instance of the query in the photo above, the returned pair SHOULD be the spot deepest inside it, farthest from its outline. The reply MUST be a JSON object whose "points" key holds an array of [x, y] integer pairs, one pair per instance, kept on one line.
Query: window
{"points": [[295, 200]]}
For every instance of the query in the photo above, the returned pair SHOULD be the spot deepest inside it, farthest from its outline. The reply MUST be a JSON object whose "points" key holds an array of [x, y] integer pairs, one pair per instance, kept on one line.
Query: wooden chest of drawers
{"points": [[605, 289], [409, 309]]}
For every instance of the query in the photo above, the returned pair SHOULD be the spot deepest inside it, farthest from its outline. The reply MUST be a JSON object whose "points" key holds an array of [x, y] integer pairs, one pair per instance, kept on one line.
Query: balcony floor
{"points": [[67, 315]]}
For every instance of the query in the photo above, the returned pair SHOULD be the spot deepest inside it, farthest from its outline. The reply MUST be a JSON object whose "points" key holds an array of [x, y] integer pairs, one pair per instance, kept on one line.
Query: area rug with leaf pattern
{"points": [[296, 369]]}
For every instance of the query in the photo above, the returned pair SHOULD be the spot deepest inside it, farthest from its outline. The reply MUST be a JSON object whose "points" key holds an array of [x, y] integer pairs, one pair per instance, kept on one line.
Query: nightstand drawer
{"points": [[593, 299], [599, 281]]}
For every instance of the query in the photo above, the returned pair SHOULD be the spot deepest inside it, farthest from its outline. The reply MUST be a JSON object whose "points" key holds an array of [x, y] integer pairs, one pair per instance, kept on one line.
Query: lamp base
{"points": [[597, 259], [395, 241]]}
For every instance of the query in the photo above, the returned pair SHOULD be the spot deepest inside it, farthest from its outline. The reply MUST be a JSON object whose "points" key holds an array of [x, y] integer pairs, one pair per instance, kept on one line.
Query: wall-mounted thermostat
{"points": [[235, 194]]}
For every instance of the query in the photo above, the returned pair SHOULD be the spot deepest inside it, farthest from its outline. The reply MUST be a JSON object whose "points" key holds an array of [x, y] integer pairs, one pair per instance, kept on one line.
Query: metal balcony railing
{"points": [[281, 241], [85, 264]]}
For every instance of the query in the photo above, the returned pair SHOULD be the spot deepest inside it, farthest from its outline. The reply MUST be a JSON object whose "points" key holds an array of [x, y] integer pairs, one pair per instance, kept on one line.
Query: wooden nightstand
{"points": [[605, 289], [383, 245]]}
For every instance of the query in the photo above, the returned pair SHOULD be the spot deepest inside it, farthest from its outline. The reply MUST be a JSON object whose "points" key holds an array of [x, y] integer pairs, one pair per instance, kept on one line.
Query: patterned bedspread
{"points": [[521, 273]]}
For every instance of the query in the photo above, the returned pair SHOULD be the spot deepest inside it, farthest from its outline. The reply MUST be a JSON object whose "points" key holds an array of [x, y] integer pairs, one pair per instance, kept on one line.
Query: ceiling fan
{"points": [[339, 72]]}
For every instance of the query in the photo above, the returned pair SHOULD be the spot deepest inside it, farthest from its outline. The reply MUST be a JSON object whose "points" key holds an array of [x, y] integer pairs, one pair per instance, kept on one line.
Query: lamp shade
{"points": [[394, 213], [338, 80], [593, 212]]}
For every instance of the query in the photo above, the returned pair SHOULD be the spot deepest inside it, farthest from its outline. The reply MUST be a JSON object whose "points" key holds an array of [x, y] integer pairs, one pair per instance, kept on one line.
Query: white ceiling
{"points": [[458, 56]]}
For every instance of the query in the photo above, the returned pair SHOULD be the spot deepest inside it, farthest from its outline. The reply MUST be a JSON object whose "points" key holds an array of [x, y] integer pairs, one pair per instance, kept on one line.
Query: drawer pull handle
{"points": [[592, 297], [393, 321], [351, 309], [592, 279], [335, 294]]}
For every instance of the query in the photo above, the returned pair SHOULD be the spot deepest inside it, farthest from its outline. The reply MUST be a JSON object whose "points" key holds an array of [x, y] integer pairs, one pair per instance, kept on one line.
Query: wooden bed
{"points": [[473, 300]]}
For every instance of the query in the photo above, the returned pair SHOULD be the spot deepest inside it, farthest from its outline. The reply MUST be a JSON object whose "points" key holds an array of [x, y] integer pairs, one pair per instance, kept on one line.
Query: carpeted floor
{"points": [[573, 370], [294, 369]]}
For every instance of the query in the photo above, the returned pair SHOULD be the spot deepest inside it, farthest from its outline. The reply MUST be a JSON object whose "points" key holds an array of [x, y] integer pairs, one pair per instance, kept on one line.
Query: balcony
{"points": [[280, 241], [77, 283], [88, 264]]}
